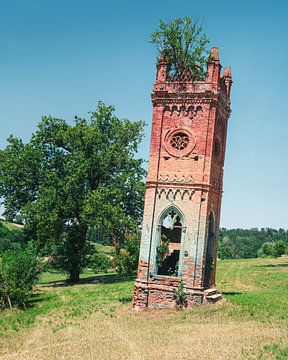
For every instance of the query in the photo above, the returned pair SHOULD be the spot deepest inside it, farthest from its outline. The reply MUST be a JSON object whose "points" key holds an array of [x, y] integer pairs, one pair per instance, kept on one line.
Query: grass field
{"points": [[10, 225], [94, 320]]}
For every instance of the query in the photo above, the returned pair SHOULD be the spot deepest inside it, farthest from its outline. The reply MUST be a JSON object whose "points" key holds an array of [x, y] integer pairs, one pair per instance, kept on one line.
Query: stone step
{"points": [[213, 298], [211, 291]]}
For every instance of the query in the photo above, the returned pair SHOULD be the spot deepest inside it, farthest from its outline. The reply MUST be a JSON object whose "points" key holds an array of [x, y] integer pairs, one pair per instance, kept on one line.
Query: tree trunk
{"points": [[76, 251], [74, 276]]}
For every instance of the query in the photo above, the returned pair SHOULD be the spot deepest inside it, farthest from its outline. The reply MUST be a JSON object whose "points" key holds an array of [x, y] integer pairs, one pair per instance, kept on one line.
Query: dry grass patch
{"points": [[88, 321], [146, 335]]}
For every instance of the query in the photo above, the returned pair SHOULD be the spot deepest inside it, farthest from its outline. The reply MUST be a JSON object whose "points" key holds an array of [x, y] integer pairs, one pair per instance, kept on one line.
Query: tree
{"points": [[183, 42], [244, 243], [278, 248], [266, 249], [224, 252], [71, 177]]}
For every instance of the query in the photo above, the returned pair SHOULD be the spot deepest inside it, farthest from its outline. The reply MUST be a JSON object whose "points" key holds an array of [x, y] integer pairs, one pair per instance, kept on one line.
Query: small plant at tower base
{"points": [[183, 42], [181, 297]]}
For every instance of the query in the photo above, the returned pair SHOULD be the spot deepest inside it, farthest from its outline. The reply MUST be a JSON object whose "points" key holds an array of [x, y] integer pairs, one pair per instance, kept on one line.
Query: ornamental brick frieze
{"points": [[185, 98], [204, 187], [175, 179], [184, 111], [174, 194]]}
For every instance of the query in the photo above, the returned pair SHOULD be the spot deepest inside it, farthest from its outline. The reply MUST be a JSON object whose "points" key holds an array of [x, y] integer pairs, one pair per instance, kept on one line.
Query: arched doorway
{"points": [[209, 263], [169, 245]]}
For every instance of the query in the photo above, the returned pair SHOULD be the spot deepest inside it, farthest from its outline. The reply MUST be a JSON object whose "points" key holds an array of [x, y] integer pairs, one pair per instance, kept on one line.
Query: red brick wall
{"points": [[189, 179]]}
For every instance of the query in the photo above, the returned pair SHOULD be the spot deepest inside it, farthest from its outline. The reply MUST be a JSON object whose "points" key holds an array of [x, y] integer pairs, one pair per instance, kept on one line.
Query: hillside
{"points": [[94, 320], [11, 226]]}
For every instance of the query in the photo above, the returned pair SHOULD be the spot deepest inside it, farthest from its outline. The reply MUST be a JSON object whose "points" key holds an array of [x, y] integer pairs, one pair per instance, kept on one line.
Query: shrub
{"points": [[224, 252], [100, 263], [278, 248], [126, 260], [266, 249], [18, 272]]}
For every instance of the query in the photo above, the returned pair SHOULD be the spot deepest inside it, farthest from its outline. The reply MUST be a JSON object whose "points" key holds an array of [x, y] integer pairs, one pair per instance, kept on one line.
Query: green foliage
{"points": [[266, 249], [127, 255], [18, 272], [279, 248], [224, 252], [183, 42], [100, 263], [70, 178], [181, 297], [162, 250], [72, 252], [10, 239], [244, 243]]}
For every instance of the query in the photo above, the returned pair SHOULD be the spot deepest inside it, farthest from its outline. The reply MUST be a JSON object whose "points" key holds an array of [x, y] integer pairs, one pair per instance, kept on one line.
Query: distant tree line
{"points": [[252, 243]]}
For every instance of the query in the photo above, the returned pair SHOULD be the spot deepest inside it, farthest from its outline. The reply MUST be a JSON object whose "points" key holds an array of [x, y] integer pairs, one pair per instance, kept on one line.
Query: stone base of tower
{"points": [[161, 292]]}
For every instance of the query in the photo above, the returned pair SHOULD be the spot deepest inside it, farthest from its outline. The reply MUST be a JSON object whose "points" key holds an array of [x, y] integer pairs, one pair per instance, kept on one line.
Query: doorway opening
{"points": [[168, 250]]}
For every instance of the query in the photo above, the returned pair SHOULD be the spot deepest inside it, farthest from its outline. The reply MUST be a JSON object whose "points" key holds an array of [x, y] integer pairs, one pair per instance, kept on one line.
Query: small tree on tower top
{"points": [[183, 43]]}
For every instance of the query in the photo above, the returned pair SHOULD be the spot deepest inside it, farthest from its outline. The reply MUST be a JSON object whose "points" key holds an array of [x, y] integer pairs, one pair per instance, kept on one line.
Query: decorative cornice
{"points": [[163, 98], [171, 101], [175, 179], [195, 186]]}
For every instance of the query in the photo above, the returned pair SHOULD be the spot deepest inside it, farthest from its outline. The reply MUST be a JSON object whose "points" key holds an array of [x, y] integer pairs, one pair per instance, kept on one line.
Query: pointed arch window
{"points": [[169, 246]]}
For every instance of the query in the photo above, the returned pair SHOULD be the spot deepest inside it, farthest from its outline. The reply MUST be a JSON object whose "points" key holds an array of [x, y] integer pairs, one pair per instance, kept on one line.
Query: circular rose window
{"points": [[179, 142]]}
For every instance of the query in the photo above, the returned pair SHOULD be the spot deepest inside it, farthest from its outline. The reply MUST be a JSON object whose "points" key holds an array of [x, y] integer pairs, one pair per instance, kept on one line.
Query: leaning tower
{"points": [[184, 187]]}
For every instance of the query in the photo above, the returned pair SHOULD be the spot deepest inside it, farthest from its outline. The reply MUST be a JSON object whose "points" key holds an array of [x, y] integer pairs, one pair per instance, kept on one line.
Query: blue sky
{"points": [[59, 57]]}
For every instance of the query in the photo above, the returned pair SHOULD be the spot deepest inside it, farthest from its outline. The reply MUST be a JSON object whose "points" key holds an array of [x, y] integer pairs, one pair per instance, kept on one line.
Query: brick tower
{"points": [[184, 187]]}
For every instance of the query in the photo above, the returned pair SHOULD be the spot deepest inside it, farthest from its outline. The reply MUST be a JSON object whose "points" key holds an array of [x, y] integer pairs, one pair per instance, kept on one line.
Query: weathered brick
{"points": [[185, 177]]}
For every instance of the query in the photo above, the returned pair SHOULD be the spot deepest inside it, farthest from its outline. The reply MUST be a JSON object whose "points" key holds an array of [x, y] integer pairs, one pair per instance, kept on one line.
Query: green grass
{"points": [[11, 226], [104, 249], [259, 286], [255, 292], [53, 293]]}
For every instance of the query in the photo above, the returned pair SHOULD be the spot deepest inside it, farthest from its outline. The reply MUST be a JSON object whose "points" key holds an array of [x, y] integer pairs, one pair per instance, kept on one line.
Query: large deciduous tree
{"points": [[68, 178], [183, 42]]}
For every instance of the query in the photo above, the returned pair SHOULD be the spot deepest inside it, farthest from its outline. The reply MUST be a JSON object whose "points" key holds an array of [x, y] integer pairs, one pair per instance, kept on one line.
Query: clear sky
{"points": [[58, 57]]}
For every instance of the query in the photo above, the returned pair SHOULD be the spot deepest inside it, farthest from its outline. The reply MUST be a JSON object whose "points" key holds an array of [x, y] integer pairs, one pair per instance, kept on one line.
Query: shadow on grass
{"points": [[230, 293], [273, 265], [38, 297], [93, 279]]}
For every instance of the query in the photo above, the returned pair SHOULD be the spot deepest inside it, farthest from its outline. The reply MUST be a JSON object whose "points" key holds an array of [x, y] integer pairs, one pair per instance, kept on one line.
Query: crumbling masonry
{"points": [[184, 187]]}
